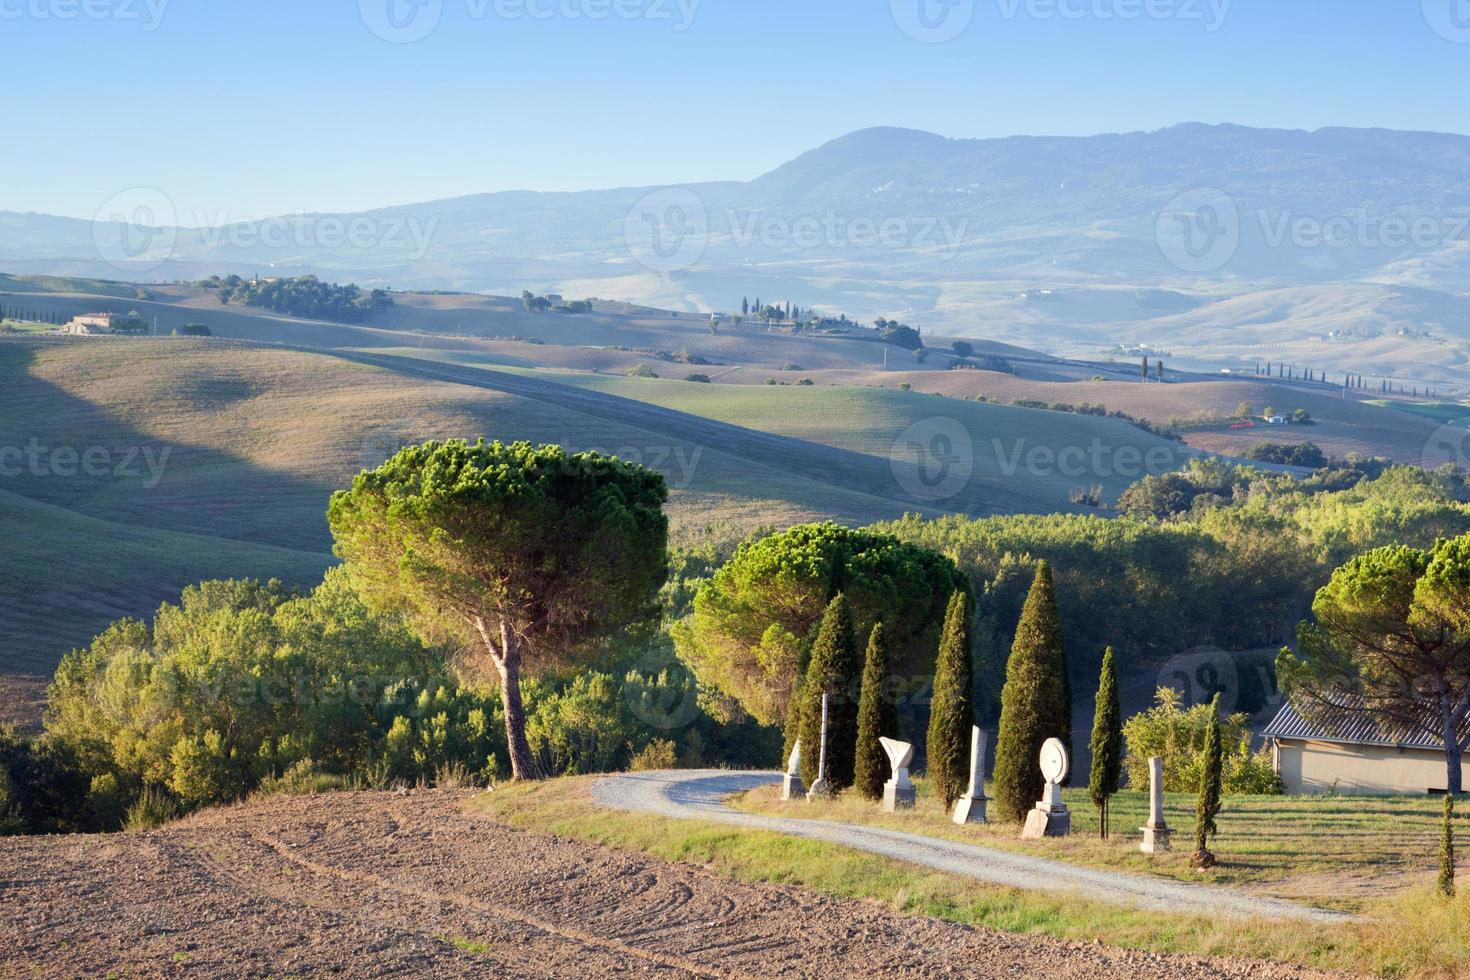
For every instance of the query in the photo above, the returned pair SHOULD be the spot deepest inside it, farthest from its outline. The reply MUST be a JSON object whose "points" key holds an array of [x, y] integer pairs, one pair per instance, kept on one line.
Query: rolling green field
{"points": [[1441, 412], [884, 421], [64, 576], [59, 284]]}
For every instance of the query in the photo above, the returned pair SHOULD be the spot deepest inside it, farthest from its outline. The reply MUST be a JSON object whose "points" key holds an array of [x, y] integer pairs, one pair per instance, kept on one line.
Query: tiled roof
{"points": [[1351, 725]]}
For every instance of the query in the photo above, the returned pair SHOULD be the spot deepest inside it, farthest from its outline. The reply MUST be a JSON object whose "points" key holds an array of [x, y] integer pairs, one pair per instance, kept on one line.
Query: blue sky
{"points": [[246, 108]]}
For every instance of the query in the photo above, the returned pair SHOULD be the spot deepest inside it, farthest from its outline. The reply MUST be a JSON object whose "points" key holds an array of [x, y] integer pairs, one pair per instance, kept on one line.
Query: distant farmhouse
{"points": [[100, 324], [1348, 752]]}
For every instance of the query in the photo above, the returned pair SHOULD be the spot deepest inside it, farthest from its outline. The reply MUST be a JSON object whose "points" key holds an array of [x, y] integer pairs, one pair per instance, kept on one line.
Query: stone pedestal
{"points": [[1156, 832], [898, 792], [970, 808], [899, 795], [1155, 840], [1050, 818], [792, 788]]}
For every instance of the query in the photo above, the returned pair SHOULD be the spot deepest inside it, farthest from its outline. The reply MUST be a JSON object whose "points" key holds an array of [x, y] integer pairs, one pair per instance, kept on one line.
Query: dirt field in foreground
{"points": [[358, 884]]}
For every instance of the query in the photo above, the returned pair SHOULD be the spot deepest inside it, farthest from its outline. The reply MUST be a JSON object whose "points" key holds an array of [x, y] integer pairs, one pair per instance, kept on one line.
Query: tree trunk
{"points": [[506, 655], [522, 763], [1452, 715]]}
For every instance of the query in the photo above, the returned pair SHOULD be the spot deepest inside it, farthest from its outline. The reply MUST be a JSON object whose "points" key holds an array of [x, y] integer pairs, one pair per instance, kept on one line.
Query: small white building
{"points": [[1347, 752], [1276, 420]]}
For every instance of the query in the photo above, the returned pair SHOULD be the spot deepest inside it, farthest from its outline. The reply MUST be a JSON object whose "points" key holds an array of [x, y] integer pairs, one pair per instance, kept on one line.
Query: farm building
{"points": [[1348, 752], [94, 324]]}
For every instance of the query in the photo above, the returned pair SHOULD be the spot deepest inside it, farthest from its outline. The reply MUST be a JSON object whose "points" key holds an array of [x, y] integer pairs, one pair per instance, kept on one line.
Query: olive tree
{"points": [[525, 554]]}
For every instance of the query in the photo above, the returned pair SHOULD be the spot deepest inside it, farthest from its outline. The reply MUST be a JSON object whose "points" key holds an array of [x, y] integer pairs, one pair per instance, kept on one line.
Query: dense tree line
{"points": [[1236, 573], [306, 296]]}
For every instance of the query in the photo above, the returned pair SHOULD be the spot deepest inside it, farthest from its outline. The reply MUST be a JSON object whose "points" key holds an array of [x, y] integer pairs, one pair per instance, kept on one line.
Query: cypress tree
{"points": [[1033, 702], [1447, 849], [833, 669], [1107, 741], [1209, 790], [877, 718], [951, 715]]}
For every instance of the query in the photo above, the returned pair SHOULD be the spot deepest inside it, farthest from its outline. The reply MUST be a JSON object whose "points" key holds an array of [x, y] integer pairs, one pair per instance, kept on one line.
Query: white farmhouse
{"points": [[1348, 752]]}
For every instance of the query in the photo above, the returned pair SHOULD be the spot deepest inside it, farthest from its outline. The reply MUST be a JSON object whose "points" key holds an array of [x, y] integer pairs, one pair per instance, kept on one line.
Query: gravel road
{"points": [[383, 885], [703, 795]]}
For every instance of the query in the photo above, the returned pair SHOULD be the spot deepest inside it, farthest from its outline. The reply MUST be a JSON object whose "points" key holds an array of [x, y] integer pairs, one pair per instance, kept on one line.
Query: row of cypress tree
{"points": [[855, 759], [1036, 704]]}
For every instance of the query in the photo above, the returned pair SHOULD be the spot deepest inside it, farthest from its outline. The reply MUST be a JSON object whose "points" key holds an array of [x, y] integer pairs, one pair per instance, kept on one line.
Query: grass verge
{"points": [[1331, 851], [1412, 935]]}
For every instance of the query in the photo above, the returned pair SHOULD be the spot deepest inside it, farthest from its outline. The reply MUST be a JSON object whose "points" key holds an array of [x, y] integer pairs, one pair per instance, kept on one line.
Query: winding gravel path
{"points": [[702, 795]]}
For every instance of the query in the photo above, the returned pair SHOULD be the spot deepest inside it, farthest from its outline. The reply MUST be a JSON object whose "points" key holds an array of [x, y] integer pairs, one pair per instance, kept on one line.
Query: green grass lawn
{"points": [[27, 326], [1332, 851], [1412, 934]]}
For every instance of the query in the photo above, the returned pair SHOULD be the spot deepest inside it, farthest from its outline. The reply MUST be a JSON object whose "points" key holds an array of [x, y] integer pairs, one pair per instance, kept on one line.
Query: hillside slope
{"points": [[134, 467]]}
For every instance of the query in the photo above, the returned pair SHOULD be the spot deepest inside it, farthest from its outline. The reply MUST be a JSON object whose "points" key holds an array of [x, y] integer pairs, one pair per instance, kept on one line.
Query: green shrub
{"points": [[1178, 736], [152, 809], [304, 778], [43, 789], [656, 755]]}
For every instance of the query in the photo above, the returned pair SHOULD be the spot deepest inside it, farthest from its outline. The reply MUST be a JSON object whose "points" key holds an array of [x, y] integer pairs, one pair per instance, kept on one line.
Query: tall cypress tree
{"points": [[1107, 742], [951, 715], [877, 718], [1033, 704], [1211, 774], [833, 669], [1447, 849]]}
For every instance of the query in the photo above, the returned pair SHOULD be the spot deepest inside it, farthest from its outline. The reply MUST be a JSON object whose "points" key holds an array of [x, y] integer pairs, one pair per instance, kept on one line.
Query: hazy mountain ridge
{"points": [[954, 233]]}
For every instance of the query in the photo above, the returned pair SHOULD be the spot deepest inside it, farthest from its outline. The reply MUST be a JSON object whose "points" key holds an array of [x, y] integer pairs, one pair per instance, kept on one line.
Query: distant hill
{"points": [[1062, 241]]}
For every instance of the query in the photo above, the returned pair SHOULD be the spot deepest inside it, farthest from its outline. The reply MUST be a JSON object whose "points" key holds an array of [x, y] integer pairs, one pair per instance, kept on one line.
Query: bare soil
{"points": [[360, 884]]}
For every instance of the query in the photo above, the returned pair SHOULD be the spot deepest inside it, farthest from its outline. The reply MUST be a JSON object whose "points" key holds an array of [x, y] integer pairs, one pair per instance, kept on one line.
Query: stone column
{"points": [[1156, 831], [970, 808], [820, 787]]}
